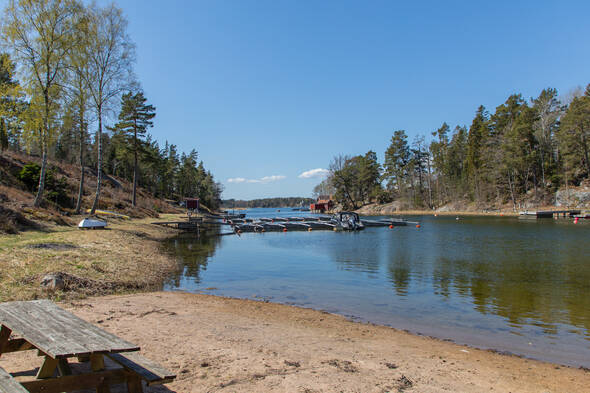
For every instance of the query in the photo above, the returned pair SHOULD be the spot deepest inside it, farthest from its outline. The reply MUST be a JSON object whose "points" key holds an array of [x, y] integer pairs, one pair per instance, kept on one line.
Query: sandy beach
{"points": [[217, 344]]}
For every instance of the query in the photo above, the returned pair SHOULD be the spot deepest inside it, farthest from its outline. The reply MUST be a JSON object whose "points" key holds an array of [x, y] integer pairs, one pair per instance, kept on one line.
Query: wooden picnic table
{"points": [[59, 336]]}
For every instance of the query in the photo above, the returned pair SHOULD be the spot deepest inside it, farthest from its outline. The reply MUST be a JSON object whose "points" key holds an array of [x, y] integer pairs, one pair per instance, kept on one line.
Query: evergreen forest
{"points": [[519, 155]]}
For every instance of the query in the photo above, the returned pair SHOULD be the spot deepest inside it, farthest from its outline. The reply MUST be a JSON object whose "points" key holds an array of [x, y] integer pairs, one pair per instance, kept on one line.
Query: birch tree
{"points": [[39, 34], [79, 93], [110, 54]]}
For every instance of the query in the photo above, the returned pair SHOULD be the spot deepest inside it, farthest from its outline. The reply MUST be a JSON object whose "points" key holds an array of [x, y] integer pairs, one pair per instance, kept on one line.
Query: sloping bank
{"points": [[125, 257]]}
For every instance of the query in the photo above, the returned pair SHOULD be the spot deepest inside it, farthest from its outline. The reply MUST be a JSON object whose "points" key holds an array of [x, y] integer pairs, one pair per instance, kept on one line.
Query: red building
{"points": [[192, 204], [323, 204]]}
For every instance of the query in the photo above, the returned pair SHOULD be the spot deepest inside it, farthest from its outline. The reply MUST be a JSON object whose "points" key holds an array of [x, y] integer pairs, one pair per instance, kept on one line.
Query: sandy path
{"points": [[227, 345]]}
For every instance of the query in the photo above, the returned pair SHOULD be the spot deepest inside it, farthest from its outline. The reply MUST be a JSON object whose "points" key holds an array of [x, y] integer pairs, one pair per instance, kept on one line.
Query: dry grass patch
{"points": [[125, 257]]}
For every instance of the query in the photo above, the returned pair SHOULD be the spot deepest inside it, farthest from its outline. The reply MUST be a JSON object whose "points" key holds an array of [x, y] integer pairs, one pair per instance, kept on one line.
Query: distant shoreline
{"points": [[437, 213]]}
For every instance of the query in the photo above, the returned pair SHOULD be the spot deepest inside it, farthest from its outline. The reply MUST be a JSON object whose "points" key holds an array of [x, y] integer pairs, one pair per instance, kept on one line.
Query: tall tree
{"points": [[40, 34], [476, 139], [439, 151], [355, 179], [548, 111], [397, 159], [134, 119], [574, 136], [79, 93], [11, 97], [111, 55]]}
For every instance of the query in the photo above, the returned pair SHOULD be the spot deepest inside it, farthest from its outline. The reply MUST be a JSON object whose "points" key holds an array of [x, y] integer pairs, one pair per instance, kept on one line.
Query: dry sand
{"points": [[217, 344]]}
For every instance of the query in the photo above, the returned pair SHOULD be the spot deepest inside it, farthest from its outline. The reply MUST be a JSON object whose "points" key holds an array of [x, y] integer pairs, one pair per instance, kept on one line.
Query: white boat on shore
{"points": [[91, 223]]}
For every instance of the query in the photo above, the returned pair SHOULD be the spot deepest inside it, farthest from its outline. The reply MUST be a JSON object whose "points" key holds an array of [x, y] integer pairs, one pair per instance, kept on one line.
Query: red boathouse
{"points": [[323, 204]]}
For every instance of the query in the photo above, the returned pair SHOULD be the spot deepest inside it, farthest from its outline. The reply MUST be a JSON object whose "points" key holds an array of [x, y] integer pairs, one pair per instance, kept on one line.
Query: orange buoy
{"points": [[284, 229], [391, 227], [576, 220], [418, 226]]}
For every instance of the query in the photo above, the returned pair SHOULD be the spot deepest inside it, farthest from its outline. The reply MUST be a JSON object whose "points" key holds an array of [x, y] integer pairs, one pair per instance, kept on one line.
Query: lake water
{"points": [[521, 286]]}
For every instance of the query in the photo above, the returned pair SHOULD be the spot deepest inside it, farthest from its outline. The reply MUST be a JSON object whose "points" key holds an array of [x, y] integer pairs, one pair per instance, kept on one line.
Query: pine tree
{"points": [[134, 119], [574, 136], [397, 159], [476, 139]]}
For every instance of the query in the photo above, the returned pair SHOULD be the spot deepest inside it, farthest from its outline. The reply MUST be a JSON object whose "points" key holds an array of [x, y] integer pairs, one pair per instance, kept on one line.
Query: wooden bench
{"points": [[9, 384], [149, 371]]}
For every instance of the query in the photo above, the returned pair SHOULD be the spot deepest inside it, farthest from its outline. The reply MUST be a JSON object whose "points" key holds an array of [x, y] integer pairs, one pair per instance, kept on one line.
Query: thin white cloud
{"points": [[265, 179], [318, 172], [268, 179]]}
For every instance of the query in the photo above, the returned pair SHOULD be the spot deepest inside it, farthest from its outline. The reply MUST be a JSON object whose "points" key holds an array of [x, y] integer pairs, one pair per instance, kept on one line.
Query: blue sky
{"points": [[265, 90]]}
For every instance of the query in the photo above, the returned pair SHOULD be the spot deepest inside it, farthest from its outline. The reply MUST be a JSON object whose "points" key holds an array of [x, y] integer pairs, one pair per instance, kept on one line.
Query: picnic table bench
{"points": [[59, 336]]}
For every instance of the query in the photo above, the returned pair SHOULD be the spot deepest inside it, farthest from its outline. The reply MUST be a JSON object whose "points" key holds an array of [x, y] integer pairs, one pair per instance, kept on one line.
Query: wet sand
{"points": [[217, 344]]}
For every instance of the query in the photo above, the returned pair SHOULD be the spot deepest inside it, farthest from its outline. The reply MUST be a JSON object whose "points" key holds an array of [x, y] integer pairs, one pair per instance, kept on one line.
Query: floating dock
{"points": [[284, 224], [549, 214], [241, 223]]}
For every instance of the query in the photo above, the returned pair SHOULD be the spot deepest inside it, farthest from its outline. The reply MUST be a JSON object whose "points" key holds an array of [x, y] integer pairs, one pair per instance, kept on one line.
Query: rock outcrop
{"points": [[578, 197]]}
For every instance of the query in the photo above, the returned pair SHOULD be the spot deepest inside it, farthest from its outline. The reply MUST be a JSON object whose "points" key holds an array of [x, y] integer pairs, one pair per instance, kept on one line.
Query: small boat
{"points": [[348, 221], [91, 223]]}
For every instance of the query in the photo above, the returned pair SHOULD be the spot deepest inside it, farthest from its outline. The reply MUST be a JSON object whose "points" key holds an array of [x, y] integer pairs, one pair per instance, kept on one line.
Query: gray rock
{"points": [[574, 198], [53, 282]]}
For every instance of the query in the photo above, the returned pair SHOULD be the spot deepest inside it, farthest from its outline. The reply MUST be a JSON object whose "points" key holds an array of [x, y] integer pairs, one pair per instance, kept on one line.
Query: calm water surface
{"points": [[512, 285]]}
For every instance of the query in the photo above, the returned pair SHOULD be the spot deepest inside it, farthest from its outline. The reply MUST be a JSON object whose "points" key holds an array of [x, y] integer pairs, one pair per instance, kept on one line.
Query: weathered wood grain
{"points": [[48, 367], [57, 332], [74, 382], [9, 385], [148, 370]]}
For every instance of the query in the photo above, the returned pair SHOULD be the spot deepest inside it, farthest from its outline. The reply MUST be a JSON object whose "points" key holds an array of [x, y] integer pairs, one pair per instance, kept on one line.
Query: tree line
{"points": [[267, 202], [68, 67], [521, 153]]}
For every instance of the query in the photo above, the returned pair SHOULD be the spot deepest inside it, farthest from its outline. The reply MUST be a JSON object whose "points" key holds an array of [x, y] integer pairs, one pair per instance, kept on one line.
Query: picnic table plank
{"points": [[9, 385], [147, 369], [57, 332]]}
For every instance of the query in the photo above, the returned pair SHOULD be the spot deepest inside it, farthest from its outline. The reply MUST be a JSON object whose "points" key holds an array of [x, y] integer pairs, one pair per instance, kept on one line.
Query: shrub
{"points": [[55, 189]]}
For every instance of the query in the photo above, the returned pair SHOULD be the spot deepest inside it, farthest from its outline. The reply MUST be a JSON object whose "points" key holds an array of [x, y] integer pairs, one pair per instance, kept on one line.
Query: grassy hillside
{"points": [[16, 195]]}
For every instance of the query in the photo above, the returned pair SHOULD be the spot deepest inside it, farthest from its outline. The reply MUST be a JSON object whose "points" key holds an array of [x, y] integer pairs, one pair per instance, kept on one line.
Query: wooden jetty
{"points": [[549, 214], [192, 224]]}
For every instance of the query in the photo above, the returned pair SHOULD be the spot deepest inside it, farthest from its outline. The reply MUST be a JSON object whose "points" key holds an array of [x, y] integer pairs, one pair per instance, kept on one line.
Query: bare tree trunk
{"points": [[39, 196], [81, 189], [99, 164], [135, 168], [44, 147], [510, 183]]}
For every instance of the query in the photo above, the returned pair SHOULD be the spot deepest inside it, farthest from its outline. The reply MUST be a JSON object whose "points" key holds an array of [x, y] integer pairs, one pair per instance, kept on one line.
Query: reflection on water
{"points": [[500, 283], [192, 254]]}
